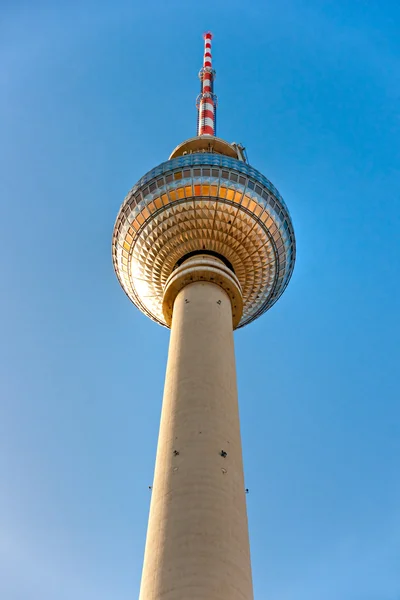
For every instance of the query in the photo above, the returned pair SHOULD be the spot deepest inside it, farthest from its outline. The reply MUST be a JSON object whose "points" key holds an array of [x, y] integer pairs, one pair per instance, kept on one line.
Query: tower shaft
{"points": [[197, 541]]}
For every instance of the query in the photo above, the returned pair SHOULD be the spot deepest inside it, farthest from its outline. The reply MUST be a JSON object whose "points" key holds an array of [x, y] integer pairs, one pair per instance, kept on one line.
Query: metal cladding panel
{"points": [[204, 201]]}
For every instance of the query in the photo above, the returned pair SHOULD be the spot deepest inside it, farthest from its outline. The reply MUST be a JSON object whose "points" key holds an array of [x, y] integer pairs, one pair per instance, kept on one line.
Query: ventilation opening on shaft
{"points": [[207, 252]]}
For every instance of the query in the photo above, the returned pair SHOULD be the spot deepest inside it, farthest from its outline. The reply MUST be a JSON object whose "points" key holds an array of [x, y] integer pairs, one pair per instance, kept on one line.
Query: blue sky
{"points": [[94, 95]]}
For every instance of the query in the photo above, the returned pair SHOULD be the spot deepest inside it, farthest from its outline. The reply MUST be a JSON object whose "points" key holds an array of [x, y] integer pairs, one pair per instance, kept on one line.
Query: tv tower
{"points": [[203, 244]]}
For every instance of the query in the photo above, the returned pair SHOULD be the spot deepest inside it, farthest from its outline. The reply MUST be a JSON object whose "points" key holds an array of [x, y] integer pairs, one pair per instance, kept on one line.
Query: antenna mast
{"points": [[206, 101]]}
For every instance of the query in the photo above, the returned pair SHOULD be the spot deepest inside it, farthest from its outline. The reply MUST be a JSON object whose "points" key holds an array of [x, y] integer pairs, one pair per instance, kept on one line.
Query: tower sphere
{"points": [[204, 199]]}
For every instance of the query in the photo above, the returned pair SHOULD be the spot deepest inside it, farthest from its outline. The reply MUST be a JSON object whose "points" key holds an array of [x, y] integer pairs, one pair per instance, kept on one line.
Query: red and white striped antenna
{"points": [[206, 100]]}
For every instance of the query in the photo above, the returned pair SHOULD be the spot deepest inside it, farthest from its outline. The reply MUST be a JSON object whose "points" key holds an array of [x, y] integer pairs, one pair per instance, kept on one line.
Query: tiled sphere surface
{"points": [[204, 201]]}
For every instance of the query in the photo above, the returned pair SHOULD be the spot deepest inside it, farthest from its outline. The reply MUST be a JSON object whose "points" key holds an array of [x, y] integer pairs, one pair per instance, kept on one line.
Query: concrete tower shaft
{"points": [[197, 544]]}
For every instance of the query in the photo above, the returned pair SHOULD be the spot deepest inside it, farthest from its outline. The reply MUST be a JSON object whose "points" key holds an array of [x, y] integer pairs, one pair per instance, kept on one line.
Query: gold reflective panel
{"points": [[213, 190], [222, 191], [246, 200], [252, 205]]}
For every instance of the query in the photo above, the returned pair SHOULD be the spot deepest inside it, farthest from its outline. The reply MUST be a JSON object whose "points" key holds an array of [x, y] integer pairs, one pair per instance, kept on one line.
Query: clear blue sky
{"points": [[94, 94]]}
